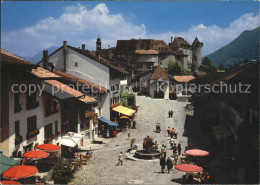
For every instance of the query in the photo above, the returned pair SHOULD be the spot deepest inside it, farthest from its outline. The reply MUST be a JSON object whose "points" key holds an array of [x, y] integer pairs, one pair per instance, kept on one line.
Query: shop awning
{"points": [[71, 140], [124, 110], [108, 122], [6, 163]]}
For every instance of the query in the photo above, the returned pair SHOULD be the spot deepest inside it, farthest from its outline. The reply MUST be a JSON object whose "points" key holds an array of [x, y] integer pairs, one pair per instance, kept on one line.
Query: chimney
{"points": [[83, 47], [171, 39], [45, 59], [65, 55]]}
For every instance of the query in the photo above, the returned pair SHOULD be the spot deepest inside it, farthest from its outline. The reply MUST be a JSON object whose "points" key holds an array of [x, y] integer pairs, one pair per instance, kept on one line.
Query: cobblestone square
{"points": [[104, 160]]}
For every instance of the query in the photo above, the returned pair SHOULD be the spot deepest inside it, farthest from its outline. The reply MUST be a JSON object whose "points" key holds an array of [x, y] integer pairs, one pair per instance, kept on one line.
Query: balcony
{"points": [[32, 105], [51, 137], [17, 108], [51, 113], [18, 139], [32, 133]]}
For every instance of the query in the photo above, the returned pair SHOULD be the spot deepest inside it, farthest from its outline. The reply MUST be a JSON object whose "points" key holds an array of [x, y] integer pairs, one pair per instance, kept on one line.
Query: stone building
{"points": [[193, 52]]}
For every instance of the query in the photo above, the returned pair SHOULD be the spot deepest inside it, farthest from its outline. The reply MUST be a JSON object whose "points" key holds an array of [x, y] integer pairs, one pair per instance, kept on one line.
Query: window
{"points": [[56, 127], [87, 135], [47, 130], [76, 64], [17, 128], [48, 107], [31, 100], [139, 65], [17, 106], [148, 66], [112, 88], [88, 122], [31, 124]]}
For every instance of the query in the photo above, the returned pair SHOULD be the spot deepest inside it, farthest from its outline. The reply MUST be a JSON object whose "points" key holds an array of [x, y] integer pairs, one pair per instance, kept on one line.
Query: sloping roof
{"points": [[74, 79], [11, 58], [68, 90], [146, 52], [180, 42], [43, 73], [65, 88], [130, 46], [200, 73], [185, 78], [196, 40], [102, 60], [159, 73]]}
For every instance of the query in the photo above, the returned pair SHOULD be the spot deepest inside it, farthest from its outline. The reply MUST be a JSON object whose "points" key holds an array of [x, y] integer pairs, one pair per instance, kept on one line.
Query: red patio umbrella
{"points": [[18, 172], [197, 153], [49, 147], [190, 168], [36, 154], [9, 182]]}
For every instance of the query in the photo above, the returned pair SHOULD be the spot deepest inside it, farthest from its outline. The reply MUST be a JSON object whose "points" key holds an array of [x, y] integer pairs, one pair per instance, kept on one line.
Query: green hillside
{"points": [[246, 45]]}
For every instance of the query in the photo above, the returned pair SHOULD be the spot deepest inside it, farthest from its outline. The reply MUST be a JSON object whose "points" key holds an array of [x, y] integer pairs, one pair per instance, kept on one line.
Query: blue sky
{"points": [[29, 27]]}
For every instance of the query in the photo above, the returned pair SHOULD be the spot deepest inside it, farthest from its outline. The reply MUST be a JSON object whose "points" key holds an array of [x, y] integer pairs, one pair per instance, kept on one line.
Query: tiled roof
{"points": [[196, 40], [102, 60], [130, 46], [200, 73], [43, 73], [11, 58], [185, 78], [72, 78], [65, 88], [159, 73], [180, 42], [147, 52]]}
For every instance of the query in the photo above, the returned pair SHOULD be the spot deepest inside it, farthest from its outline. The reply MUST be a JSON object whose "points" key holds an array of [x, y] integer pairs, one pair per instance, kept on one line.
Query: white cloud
{"points": [[213, 36], [79, 25]]}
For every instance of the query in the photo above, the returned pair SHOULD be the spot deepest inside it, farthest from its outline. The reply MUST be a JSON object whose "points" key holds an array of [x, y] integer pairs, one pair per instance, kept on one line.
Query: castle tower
{"points": [[197, 51], [98, 47]]}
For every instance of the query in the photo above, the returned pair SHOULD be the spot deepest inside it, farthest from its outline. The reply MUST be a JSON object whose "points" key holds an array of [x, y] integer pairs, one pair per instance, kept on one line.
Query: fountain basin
{"points": [[143, 154]]}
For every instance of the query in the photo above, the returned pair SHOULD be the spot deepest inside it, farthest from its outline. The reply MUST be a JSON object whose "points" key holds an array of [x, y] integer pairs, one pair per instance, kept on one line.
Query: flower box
{"points": [[32, 133]]}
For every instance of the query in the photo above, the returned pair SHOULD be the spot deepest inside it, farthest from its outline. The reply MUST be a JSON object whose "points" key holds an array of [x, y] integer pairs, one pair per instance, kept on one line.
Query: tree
{"points": [[62, 172], [174, 68], [221, 66], [206, 61]]}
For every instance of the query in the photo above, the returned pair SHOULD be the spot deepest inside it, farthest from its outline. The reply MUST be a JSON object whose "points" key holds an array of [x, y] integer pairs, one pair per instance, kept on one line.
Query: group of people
{"points": [[172, 132], [201, 178], [170, 113]]}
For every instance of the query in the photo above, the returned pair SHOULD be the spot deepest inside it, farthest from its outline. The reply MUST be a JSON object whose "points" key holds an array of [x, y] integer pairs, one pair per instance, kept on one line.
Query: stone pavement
{"points": [[102, 168]]}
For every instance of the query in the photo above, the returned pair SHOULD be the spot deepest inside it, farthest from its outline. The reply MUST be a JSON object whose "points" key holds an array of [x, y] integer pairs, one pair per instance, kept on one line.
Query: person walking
{"points": [[171, 113], [175, 133], [179, 149], [175, 148], [172, 133], [134, 123], [171, 143], [169, 131], [120, 159], [162, 163], [169, 164]]}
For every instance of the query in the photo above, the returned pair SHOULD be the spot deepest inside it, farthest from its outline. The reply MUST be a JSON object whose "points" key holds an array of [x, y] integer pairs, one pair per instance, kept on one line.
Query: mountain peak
{"points": [[244, 46]]}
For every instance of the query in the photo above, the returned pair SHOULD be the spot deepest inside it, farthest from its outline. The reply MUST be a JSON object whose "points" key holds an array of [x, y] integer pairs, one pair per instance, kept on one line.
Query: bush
{"points": [[63, 172]]}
